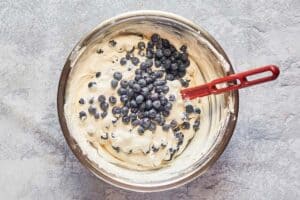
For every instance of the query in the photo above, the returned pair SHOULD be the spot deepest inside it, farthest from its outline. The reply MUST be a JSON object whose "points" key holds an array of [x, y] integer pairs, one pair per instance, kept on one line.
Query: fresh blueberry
{"points": [[172, 97], [165, 89], [139, 99], [155, 37], [123, 61], [150, 45], [154, 96], [149, 54], [122, 91], [150, 87], [124, 83], [158, 44], [181, 74], [158, 74], [135, 61], [170, 77], [131, 83], [134, 110], [167, 52], [166, 64], [98, 74], [156, 104], [172, 48], [146, 122], [166, 127], [81, 101], [141, 45], [130, 92], [149, 80], [176, 55], [149, 63], [189, 109], [148, 104], [133, 104], [97, 116], [165, 43], [184, 57], [101, 98], [157, 63], [163, 100], [176, 129], [124, 98], [187, 63], [174, 66], [136, 122], [184, 83], [152, 113], [138, 77], [152, 126], [168, 106], [114, 83], [103, 114], [92, 110], [196, 124], [166, 113], [145, 91], [136, 88], [159, 119], [142, 82], [142, 107], [138, 71], [172, 58], [183, 48], [143, 66], [158, 89], [91, 84], [124, 111], [181, 67], [185, 125], [112, 100], [91, 101], [117, 76], [104, 106], [197, 110], [141, 114], [141, 130], [116, 110], [173, 123], [132, 116], [128, 56], [125, 119], [82, 115], [159, 53], [159, 82]]}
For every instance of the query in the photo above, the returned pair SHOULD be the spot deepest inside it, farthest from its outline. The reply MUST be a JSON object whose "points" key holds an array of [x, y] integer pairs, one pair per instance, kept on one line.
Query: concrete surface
{"points": [[262, 160]]}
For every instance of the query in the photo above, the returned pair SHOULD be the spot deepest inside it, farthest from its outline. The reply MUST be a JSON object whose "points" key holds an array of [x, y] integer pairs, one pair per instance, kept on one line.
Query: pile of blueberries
{"points": [[145, 102], [144, 99]]}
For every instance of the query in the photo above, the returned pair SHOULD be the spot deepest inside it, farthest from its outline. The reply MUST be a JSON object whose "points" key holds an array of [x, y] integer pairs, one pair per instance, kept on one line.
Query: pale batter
{"points": [[117, 142]]}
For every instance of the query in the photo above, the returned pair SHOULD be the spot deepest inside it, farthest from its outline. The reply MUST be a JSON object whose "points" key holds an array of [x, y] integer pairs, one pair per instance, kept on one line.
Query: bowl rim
{"points": [[92, 166]]}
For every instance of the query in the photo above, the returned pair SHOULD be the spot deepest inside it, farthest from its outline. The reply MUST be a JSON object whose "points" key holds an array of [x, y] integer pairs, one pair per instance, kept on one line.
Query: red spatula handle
{"points": [[232, 82]]}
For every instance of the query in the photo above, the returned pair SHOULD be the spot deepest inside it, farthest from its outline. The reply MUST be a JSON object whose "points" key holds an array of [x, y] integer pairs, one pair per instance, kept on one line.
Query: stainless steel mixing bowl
{"points": [[223, 109]]}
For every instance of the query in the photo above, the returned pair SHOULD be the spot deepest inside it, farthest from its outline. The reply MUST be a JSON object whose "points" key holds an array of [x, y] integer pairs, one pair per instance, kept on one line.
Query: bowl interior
{"points": [[218, 113]]}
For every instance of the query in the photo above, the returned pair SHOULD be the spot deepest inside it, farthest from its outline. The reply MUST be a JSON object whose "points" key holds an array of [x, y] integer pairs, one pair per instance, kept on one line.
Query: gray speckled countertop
{"points": [[262, 160]]}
